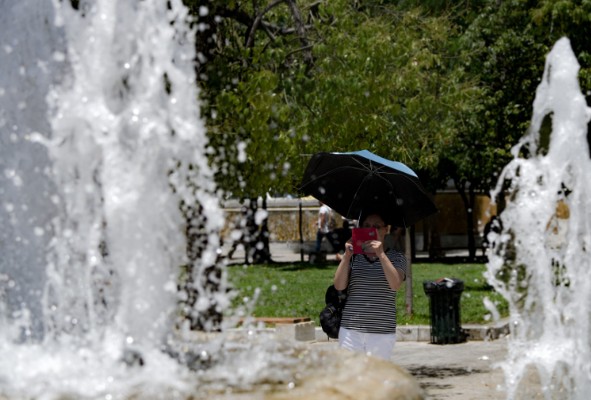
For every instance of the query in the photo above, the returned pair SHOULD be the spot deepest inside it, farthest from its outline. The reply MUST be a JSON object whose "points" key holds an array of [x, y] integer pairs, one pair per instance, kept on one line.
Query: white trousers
{"points": [[373, 344]]}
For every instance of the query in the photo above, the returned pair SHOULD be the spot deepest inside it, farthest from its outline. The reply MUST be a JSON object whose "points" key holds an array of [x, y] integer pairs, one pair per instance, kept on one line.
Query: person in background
{"points": [[395, 239], [493, 225], [368, 324], [341, 236], [325, 226]]}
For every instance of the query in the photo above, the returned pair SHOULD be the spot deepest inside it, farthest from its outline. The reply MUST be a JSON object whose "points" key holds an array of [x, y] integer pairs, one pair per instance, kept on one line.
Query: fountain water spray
{"points": [[126, 128], [540, 261], [117, 177]]}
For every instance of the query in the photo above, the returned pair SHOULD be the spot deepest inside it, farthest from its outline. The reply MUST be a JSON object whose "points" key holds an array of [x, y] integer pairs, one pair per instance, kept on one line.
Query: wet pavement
{"points": [[463, 371]]}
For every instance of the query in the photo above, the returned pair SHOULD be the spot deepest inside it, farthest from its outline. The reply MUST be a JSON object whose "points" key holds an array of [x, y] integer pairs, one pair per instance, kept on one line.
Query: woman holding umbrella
{"points": [[368, 322], [350, 183]]}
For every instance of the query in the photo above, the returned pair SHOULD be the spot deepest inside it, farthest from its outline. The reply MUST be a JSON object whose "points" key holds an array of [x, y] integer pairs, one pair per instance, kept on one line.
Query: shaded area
{"points": [[422, 372]]}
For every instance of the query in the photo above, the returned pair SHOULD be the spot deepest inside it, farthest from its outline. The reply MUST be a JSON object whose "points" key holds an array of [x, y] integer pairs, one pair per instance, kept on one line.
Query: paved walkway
{"points": [[280, 252], [289, 252], [465, 371]]}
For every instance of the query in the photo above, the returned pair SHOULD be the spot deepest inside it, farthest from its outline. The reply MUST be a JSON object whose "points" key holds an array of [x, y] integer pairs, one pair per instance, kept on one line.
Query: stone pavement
{"points": [[289, 252], [280, 252], [465, 371]]}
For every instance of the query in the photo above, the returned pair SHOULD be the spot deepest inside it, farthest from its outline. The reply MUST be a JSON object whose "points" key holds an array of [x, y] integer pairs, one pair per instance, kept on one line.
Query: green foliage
{"points": [[405, 79], [381, 79], [507, 45], [571, 18], [386, 83], [247, 137], [444, 86], [248, 117], [295, 290]]}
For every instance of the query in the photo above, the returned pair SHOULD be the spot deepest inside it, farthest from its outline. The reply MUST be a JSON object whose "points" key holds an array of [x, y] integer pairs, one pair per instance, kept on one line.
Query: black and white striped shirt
{"points": [[371, 304]]}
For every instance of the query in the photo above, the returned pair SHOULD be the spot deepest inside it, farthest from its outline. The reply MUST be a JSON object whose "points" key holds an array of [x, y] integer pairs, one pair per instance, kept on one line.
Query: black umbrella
{"points": [[350, 183]]}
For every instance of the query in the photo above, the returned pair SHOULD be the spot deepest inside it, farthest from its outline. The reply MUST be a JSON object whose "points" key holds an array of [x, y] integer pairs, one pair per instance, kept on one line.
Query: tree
{"points": [[381, 82], [505, 48], [388, 82], [249, 52], [282, 82]]}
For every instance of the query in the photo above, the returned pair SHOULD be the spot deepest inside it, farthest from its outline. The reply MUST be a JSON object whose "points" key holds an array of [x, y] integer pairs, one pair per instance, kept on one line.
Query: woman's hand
{"points": [[349, 249], [341, 276], [373, 247]]}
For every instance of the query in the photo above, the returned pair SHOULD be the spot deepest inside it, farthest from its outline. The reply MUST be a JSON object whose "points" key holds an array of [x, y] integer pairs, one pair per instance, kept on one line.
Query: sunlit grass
{"points": [[297, 290]]}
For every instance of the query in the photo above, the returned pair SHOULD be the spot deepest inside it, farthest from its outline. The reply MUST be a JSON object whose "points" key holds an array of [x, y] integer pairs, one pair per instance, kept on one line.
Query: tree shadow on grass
{"points": [[303, 266], [291, 266]]}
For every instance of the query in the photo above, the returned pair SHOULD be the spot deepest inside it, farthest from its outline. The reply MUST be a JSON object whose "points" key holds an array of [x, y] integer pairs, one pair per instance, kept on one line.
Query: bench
{"points": [[316, 257]]}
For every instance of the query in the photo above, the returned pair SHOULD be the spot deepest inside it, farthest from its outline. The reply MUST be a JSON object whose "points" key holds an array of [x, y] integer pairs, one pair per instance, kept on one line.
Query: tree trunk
{"points": [[435, 250], [301, 229], [426, 234], [471, 230], [413, 242], [301, 30], [262, 252], [468, 199], [408, 254], [250, 234], [200, 280]]}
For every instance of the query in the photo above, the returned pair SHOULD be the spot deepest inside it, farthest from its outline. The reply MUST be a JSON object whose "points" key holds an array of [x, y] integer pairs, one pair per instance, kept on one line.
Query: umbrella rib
{"points": [[357, 191], [379, 169], [362, 167], [389, 183], [332, 172]]}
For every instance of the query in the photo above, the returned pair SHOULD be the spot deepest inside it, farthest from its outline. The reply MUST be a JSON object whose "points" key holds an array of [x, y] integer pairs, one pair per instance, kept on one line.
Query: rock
{"points": [[348, 375]]}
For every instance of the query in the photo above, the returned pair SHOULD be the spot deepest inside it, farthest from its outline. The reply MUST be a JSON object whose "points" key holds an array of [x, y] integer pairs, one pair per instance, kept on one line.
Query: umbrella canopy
{"points": [[360, 181]]}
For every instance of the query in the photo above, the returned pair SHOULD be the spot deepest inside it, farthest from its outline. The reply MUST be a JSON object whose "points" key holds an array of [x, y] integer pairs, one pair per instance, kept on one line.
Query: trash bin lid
{"points": [[443, 284]]}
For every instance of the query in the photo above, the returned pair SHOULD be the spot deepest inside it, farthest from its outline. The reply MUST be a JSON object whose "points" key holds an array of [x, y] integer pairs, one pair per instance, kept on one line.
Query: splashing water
{"points": [[122, 120], [541, 262], [101, 146]]}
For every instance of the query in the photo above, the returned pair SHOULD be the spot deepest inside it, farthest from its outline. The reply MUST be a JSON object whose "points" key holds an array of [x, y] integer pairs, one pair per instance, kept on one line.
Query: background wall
{"points": [[284, 219]]}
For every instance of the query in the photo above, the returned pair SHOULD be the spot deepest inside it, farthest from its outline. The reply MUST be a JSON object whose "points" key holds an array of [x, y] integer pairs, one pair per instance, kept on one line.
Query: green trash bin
{"points": [[444, 305]]}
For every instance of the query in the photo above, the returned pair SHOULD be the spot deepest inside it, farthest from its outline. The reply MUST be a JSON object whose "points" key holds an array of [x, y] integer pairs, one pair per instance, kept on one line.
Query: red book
{"points": [[360, 236]]}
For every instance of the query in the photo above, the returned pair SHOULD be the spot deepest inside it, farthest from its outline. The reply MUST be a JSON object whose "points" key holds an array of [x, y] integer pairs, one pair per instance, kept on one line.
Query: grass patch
{"points": [[297, 290], [472, 310]]}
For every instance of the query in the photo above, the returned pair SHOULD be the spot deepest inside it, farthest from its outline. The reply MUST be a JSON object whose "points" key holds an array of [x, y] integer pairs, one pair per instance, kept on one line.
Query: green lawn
{"points": [[297, 290]]}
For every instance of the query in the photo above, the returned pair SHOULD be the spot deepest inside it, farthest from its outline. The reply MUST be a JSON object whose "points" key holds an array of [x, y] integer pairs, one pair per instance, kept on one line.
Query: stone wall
{"points": [[284, 218]]}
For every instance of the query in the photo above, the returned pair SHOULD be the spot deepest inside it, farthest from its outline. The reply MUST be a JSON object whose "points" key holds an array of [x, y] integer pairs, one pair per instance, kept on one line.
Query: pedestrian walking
{"points": [[325, 226]]}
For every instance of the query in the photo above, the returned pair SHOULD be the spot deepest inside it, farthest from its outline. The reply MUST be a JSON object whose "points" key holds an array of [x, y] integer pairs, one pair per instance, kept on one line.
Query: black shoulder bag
{"points": [[330, 316]]}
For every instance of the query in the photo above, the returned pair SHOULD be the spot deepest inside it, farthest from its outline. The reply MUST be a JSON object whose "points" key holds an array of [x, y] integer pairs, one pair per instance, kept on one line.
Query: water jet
{"points": [[540, 259]]}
